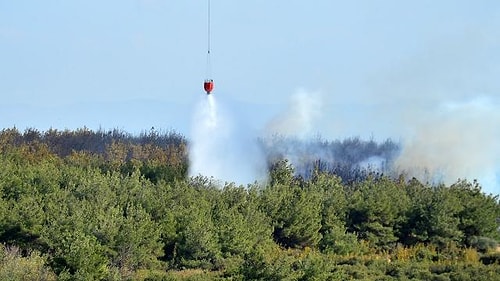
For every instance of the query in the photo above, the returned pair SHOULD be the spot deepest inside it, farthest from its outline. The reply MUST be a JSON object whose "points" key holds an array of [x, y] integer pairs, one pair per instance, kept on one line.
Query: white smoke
{"points": [[373, 163], [298, 120], [295, 135], [443, 102], [222, 149], [441, 144], [456, 140]]}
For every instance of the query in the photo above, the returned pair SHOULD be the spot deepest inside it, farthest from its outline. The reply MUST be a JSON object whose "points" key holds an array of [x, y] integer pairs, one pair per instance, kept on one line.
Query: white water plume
{"points": [[222, 148]]}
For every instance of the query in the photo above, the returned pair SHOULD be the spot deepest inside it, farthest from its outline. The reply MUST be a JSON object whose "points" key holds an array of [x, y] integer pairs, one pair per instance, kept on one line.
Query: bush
{"points": [[13, 266], [483, 244], [493, 258]]}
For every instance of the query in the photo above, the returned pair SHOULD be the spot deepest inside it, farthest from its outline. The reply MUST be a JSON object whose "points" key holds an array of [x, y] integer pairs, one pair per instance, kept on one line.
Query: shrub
{"points": [[483, 244], [13, 266]]}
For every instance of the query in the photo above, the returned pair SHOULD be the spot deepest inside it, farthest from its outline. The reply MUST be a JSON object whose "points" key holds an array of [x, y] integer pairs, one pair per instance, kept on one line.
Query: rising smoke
{"points": [[295, 135], [298, 120], [438, 99], [456, 140]]}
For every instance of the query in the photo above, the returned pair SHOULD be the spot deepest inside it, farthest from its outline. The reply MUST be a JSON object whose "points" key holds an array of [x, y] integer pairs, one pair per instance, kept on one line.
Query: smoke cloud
{"points": [[451, 141], [295, 135], [456, 140], [298, 120], [441, 144], [444, 103], [436, 93]]}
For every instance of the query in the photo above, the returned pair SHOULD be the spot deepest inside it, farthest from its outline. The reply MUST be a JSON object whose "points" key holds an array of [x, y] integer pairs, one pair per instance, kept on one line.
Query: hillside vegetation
{"points": [[86, 205]]}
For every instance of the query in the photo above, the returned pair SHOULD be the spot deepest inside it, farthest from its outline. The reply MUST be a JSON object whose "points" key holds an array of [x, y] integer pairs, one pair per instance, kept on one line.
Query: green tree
{"points": [[433, 216], [196, 243], [83, 255], [480, 212], [335, 237], [377, 208], [240, 225], [16, 267], [138, 241], [294, 208]]}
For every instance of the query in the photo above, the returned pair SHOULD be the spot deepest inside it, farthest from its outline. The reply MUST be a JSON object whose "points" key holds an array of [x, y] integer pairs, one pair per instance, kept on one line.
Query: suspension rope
{"points": [[208, 33], [209, 66]]}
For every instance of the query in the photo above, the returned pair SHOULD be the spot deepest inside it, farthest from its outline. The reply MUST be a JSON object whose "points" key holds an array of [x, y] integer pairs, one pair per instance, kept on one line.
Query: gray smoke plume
{"points": [[456, 140], [452, 141], [444, 102], [291, 136], [298, 120]]}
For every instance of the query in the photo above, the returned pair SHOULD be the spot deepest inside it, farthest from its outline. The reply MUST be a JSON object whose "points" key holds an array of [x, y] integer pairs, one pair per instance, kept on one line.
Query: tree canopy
{"points": [[85, 205]]}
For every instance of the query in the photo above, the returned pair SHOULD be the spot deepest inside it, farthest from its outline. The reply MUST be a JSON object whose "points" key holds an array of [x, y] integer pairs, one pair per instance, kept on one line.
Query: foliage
{"points": [[84, 205], [14, 266], [294, 208], [376, 210]]}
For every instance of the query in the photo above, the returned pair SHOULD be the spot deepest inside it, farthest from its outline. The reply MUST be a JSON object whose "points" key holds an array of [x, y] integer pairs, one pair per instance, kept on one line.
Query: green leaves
{"points": [[128, 212], [376, 209], [295, 211], [480, 213], [83, 255], [138, 240], [16, 266]]}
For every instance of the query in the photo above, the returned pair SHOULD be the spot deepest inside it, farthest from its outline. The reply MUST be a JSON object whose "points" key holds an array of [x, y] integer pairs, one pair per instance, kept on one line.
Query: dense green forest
{"points": [[105, 205]]}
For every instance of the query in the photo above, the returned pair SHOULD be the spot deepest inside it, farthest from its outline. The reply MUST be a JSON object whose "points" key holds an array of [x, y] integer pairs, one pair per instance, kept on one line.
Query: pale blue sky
{"points": [[375, 68], [77, 53]]}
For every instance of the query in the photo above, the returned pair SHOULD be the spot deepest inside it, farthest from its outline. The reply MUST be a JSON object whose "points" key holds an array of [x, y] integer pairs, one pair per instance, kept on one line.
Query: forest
{"points": [[107, 205]]}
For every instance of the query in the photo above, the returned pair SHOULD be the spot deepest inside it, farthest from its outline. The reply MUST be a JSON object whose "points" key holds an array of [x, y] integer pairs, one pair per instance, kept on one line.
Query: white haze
{"points": [[441, 144], [222, 148], [455, 140], [299, 119], [445, 101], [300, 124], [440, 103]]}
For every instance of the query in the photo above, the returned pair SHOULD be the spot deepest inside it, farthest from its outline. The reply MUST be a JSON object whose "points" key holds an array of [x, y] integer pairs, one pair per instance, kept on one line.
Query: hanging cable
{"points": [[208, 24], [209, 66], [208, 85]]}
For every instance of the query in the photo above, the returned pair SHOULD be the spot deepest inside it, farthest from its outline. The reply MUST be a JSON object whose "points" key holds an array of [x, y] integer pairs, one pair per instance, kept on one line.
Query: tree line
{"points": [[85, 205]]}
